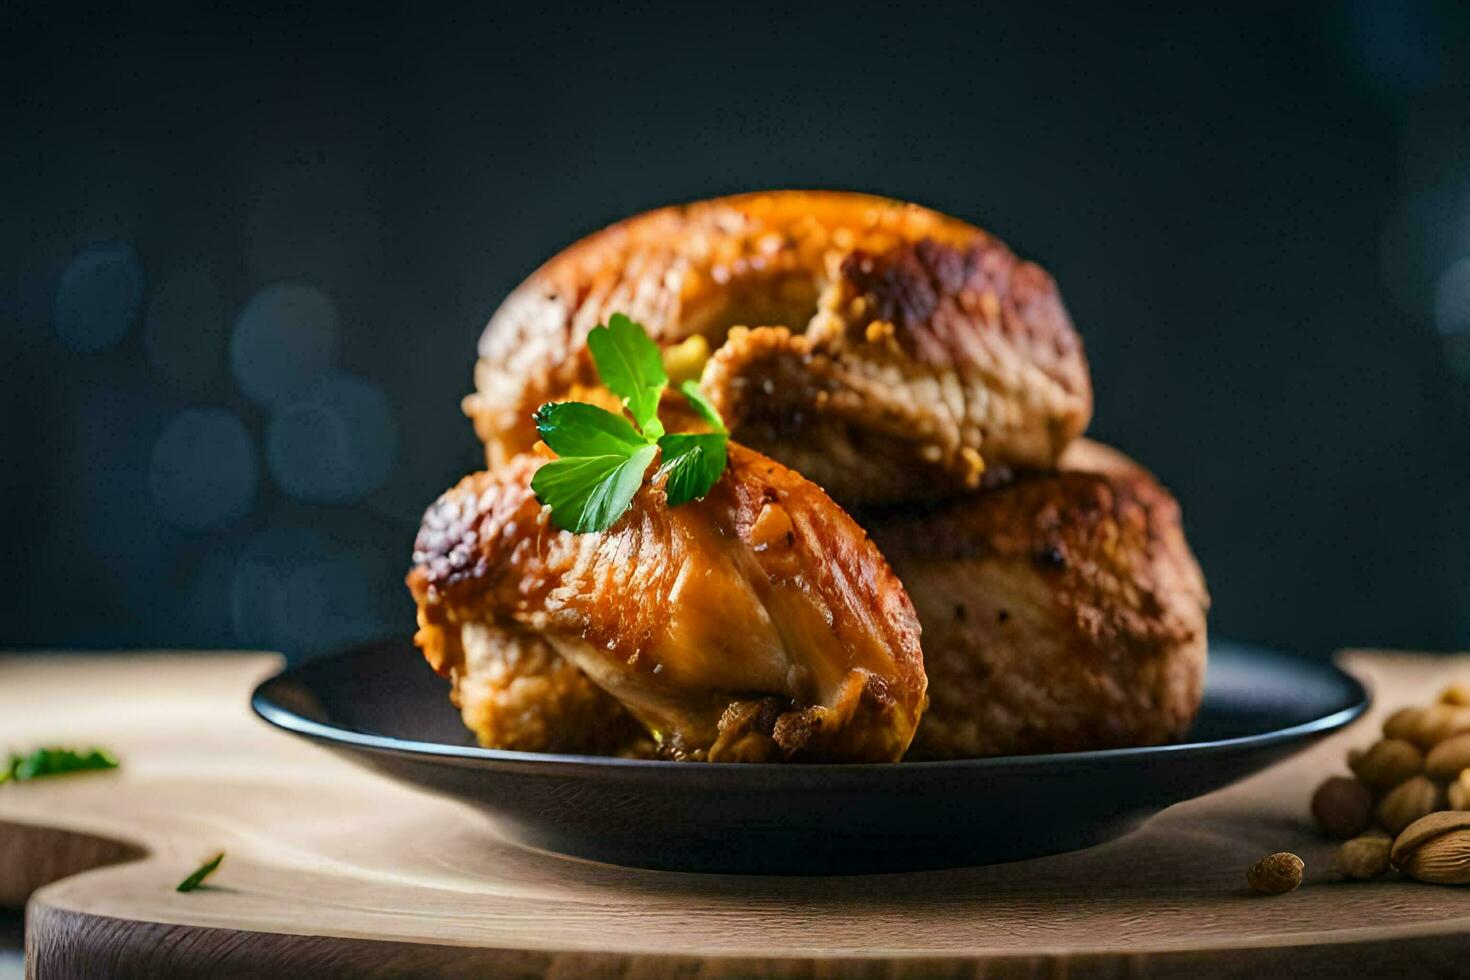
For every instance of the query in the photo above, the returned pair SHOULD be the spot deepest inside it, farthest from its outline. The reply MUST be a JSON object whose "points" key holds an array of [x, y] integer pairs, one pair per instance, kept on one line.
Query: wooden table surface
{"points": [[331, 870]]}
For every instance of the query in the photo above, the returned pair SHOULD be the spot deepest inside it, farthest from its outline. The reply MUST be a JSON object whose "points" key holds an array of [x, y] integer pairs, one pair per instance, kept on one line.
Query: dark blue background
{"points": [[246, 257]]}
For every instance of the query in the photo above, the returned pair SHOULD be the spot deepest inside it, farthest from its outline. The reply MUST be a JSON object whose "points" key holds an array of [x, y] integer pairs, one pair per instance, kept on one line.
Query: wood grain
{"points": [[333, 871]]}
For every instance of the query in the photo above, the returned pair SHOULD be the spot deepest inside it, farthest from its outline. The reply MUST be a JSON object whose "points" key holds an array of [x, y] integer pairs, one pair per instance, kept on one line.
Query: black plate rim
{"points": [[287, 720]]}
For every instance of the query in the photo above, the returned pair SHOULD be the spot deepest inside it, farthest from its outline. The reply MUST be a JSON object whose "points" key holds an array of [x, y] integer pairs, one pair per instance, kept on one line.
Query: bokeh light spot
{"points": [[1398, 43], [1452, 298], [203, 472], [1457, 354], [299, 593], [279, 597], [285, 340], [184, 331], [98, 297], [335, 445]]}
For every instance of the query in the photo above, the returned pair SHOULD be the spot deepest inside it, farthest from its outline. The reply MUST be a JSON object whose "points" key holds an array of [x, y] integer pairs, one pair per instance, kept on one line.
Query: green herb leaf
{"points": [[56, 762], [204, 871], [578, 429], [692, 462], [632, 368], [602, 458], [702, 405], [589, 493]]}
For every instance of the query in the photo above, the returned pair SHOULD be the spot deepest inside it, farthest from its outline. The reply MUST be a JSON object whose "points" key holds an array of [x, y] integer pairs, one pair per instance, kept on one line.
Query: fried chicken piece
{"points": [[896, 352], [1061, 612], [515, 692], [759, 624], [912, 376]]}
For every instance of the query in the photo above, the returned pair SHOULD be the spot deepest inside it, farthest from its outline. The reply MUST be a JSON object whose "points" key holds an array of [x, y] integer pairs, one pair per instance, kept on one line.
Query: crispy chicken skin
{"points": [[1061, 612], [893, 352], [931, 382], [515, 692], [759, 624]]}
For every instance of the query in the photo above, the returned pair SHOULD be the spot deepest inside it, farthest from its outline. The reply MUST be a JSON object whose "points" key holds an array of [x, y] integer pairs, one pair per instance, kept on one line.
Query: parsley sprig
{"points": [[54, 762], [602, 457]]}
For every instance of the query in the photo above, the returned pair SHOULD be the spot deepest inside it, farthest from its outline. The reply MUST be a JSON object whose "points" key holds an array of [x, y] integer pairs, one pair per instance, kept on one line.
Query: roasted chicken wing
{"points": [[893, 352], [759, 624], [1062, 611]]}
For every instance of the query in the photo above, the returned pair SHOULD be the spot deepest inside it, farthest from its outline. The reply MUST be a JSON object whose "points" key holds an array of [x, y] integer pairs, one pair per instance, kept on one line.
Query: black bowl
{"points": [[382, 707]]}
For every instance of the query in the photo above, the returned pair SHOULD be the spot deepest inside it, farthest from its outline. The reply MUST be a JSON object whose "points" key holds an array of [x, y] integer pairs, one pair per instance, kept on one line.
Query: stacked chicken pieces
{"points": [[911, 554]]}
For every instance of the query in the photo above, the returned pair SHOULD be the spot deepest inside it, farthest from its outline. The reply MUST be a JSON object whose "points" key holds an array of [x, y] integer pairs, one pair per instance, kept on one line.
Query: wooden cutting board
{"points": [[333, 871]]}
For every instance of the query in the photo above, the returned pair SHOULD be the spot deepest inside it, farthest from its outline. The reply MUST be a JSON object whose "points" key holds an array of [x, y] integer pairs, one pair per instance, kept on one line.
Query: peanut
{"points": [[1449, 758], [1436, 723], [1276, 874], [1407, 802], [1387, 763], [1342, 807], [1402, 722], [1456, 693], [1364, 857], [1459, 792]]}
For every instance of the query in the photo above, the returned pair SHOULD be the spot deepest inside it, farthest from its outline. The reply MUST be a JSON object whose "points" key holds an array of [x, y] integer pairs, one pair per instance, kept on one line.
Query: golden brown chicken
{"points": [[1061, 611], [758, 624], [913, 366], [514, 691], [895, 351]]}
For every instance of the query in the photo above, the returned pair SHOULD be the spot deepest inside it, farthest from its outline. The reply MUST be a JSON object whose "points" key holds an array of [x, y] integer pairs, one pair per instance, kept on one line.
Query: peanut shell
{"points": [[1364, 857], [1276, 874], [1342, 807], [1458, 793], [1387, 763], [1449, 758], [1456, 693], [1437, 723], [1407, 802], [1402, 723]]}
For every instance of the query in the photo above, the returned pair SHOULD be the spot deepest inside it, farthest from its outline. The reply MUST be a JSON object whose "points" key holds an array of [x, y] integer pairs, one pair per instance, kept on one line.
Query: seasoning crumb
{"points": [[1051, 557]]}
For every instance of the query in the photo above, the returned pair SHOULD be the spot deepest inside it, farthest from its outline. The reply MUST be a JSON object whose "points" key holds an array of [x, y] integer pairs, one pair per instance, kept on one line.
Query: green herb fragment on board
{"points": [[204, 871], [55, 762]]}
